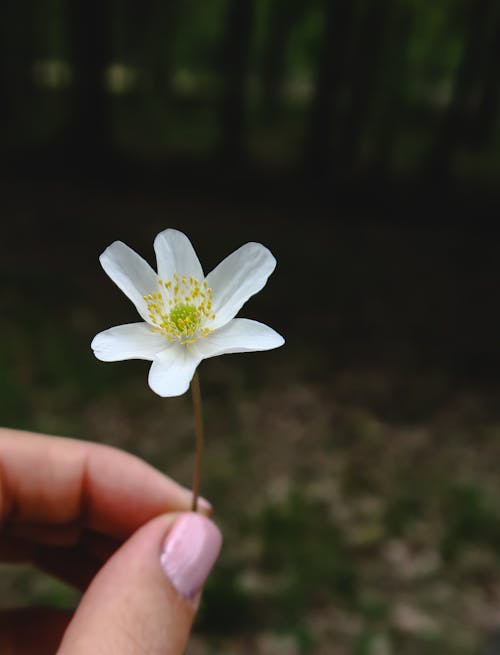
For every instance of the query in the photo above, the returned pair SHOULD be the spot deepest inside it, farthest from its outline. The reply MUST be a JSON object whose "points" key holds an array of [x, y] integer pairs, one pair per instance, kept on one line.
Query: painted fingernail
{"points": [[189, 553]]}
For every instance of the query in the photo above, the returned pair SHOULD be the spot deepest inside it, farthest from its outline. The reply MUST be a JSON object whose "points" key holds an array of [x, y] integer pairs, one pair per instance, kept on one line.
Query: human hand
{"points": [[113, 526]]}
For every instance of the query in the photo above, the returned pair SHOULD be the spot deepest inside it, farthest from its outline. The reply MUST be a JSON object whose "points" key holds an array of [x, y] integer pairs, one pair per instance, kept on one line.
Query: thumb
{"points": [[144, 598]]}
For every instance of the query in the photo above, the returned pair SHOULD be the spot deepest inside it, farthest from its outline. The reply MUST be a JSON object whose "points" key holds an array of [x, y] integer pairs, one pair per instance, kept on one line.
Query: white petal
{"points": [[238, 336], [131, 341], [237, 278], [131, 273], [172, 371], [175, 254]]}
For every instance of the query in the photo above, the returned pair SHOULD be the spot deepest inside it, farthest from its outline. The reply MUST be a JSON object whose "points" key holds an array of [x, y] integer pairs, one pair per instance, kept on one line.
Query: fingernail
{"points": [[189, 553]]}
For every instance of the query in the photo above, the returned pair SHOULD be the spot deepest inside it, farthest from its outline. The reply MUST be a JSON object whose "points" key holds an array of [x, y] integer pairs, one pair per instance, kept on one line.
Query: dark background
{"points": [[355, 470]]}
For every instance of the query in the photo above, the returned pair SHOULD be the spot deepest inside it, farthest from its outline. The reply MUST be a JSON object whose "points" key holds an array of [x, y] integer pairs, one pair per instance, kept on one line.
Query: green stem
{"points": [[198, 427]]}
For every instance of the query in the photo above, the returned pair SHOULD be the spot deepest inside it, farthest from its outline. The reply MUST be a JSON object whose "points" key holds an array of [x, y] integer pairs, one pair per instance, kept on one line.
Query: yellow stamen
{"points": [[181, 313]]}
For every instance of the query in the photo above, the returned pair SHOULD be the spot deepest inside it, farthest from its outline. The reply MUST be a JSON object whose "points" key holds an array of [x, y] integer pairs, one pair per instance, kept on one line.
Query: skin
{"points": [[95, 517]]}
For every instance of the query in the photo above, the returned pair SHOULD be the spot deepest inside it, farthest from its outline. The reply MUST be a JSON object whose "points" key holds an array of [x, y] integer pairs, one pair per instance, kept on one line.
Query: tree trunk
{"points": [[149, 33], [18, 51], [364, 77], [6, 113], [486, 116], [454, 128], [87, 140], [392, 92], [284, 15], [339, 17], [234, 61]]}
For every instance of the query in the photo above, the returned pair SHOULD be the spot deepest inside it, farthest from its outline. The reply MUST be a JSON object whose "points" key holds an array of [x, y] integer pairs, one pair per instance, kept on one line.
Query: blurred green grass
{"points": [[353, 472]]}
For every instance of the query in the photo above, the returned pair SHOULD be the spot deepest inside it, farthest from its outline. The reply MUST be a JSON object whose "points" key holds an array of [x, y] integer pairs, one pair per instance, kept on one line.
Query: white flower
{"points": [[187, 317]]}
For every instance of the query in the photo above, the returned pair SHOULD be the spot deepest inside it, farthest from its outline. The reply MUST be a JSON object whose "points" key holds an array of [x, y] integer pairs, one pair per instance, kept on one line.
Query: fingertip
{"points": [[205, 507], [155, 578]]}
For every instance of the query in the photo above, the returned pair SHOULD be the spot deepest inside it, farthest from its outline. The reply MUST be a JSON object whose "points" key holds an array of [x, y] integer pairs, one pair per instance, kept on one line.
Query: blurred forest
{"points": [[354, 472], [336, 94]]}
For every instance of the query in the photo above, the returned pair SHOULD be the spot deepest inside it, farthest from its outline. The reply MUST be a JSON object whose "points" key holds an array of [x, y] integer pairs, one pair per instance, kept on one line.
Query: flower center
{"points": [[183, 315], [181, 309]]}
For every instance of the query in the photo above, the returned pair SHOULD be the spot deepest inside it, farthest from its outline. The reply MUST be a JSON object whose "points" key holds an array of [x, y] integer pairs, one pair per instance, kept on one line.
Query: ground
{"points": [[353, 471]]}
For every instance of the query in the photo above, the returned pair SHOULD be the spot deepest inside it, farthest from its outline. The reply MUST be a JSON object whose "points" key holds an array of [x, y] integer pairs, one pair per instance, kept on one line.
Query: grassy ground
{"points": [[354, 472]]}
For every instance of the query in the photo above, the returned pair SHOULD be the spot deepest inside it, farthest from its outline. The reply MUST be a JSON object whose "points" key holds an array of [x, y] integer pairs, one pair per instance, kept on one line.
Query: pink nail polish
{"points": [[189, 553]]}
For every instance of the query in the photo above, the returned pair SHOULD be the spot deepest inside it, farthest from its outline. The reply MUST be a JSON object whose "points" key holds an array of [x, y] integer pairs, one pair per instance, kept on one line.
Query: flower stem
{"points": [[198, 427]]}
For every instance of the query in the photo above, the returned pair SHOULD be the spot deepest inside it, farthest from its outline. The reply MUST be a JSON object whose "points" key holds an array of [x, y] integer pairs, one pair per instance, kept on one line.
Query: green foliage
{"points": [[226, 608], [303, 547], [473, 517], [23, 585], [200, 30], [406, 504]]}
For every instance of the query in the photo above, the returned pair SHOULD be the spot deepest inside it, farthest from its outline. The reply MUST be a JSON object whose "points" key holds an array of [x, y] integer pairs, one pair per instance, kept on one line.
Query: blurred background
{"points": [[355, 471]]}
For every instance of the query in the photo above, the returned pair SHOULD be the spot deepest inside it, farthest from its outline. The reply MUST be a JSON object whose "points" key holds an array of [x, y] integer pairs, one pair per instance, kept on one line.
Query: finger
{"points": [[79, 564], [45, 479], [46, 628], [17, 549], [144, 598], [66, 534], [69, 534], [75, 565]]}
